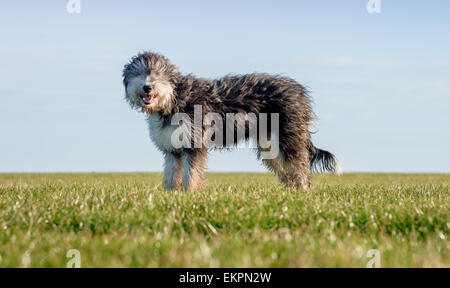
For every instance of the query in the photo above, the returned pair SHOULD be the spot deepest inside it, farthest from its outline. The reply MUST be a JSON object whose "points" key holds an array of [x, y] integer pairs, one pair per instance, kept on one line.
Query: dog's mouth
{"points": [[147, 98]]}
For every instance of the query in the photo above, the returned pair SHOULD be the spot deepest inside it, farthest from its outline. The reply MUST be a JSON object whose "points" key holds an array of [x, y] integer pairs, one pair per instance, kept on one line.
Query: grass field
{"points": [[238, 220]]}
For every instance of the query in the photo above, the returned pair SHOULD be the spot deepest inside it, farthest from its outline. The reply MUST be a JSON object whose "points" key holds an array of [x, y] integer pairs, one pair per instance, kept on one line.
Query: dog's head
{"points": [[150, 81]]}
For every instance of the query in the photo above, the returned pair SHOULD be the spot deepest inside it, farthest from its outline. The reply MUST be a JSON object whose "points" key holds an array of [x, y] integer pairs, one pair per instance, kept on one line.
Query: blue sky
{"points": [[380, 82]]}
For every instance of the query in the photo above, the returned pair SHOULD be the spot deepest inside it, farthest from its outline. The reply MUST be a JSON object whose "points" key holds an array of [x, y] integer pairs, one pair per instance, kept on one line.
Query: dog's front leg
{"points": [[194, 162], [173, 171]]}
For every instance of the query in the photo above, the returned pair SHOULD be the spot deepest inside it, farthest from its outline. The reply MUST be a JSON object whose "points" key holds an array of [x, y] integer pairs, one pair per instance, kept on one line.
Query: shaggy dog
{"points": [[154, 85]]}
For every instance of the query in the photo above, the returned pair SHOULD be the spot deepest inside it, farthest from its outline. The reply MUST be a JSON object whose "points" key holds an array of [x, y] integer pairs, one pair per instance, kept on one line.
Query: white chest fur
{"points": [[160, 135]]}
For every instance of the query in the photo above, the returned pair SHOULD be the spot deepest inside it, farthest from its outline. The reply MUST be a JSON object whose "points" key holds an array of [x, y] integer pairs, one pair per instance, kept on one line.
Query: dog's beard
{"points": [[152, 106], [160, 99], [156, 102]]}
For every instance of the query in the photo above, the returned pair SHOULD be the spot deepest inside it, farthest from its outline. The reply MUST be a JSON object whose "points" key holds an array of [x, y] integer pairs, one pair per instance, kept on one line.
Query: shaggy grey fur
{"points": [[257, 93]]}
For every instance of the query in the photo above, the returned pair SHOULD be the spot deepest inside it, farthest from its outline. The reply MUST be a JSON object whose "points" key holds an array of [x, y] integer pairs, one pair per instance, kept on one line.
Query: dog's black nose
{"points": [[146, 88]]}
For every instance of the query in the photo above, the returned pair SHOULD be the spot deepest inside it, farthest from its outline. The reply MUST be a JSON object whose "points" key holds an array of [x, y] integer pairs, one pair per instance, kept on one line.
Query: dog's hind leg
{"points": [[173, 171], [297, 164], [294, 146], [194, 162], [300, 173], [278, 166]]}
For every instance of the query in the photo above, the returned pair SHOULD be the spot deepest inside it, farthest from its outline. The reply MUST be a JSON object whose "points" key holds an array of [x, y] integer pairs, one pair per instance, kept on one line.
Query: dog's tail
{"points": [[323, 161]]}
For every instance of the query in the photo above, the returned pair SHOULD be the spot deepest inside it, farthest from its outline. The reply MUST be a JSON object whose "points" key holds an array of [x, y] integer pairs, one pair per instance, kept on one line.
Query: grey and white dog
{"points": [[156, 87]]}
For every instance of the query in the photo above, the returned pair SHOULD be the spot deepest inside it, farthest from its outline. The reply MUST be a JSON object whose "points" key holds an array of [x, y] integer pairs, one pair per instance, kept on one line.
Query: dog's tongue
{"points": [[147, 99]]}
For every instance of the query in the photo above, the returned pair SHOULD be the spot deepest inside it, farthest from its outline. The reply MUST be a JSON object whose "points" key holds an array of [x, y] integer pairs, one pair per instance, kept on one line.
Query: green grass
{"points": [[238, 220]]}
